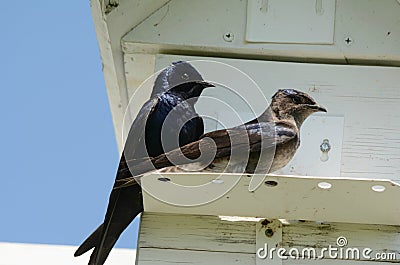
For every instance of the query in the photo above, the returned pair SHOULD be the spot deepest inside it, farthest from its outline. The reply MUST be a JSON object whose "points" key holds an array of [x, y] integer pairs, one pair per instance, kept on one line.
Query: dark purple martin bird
{"points": [[175, 92]]}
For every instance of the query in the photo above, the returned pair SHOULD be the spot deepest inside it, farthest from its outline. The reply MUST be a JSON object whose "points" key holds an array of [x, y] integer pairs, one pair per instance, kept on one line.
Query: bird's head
{"points": [[177, 73], [291, 103], [191, 90]]}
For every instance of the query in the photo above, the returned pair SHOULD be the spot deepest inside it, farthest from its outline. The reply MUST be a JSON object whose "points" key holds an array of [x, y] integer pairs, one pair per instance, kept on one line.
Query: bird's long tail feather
{"points": [[125, 204], [90, 242]]}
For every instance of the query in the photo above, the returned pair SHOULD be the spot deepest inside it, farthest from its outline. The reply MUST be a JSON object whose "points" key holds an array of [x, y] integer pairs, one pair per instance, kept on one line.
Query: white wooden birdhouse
{"points": [[342, 188]]}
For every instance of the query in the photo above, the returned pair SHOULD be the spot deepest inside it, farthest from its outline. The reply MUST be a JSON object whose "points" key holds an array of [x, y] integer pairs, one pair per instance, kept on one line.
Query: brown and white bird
{"points": [[262, 145]]}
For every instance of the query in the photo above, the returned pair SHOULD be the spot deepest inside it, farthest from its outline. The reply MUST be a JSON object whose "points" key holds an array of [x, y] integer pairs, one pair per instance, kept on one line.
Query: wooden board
{"points": [[191, 239], [176, 28], [292, 197]]}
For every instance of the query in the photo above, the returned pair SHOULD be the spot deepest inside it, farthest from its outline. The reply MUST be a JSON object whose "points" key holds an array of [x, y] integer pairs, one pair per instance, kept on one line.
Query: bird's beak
{"points": [[318, 108], [205, 84]]}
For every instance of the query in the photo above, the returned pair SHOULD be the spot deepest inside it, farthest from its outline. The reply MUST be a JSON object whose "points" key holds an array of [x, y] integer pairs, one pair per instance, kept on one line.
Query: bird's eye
{"points": [[185, 76], [297, 100]]}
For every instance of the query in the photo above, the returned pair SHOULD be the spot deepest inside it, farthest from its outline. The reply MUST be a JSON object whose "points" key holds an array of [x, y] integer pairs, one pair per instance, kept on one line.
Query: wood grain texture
{"points": [[172, 257], [190, 239], [197, 232], [380, 238]]}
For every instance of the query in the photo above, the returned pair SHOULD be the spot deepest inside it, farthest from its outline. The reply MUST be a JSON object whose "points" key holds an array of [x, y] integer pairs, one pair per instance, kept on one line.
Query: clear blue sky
{"points": [[58, 149]]}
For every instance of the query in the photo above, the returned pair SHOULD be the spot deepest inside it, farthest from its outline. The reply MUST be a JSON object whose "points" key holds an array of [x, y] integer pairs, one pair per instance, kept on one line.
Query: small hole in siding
{"points": [[325, 185], [271, 183], [378, 188], [164, 179], [217, 181]]}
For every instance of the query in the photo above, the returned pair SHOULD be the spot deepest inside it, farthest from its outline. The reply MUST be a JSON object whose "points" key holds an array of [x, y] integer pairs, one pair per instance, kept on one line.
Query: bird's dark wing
{"points": [[135, 145], [105, 236], [120, 211], [252, 137]]}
